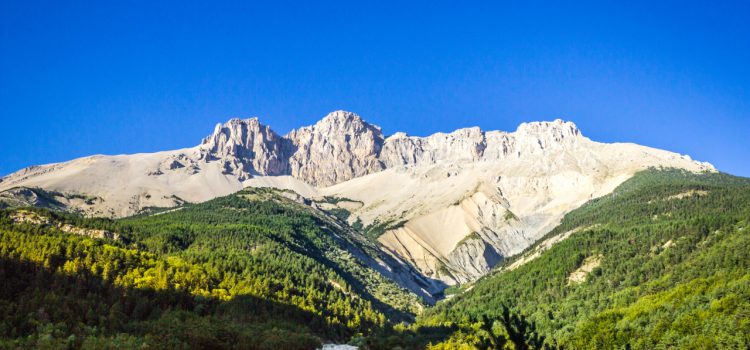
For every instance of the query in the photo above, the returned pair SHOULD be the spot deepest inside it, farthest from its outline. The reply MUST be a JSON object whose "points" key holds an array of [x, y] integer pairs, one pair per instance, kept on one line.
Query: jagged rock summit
{"points": [[247, 148], [340, 147], [451, 204]]}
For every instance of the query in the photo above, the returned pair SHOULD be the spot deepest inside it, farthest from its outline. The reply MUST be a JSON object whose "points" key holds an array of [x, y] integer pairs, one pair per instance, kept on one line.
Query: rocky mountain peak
{"points": [[339, 147], [246, 147], [235, 130], [344, 122], [399, 135], [340, 116], [557, 129], [342, 146]]}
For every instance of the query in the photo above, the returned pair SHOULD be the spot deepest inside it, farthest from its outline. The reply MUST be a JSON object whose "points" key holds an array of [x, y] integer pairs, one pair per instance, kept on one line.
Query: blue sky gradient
{"points": [[80, 78]]}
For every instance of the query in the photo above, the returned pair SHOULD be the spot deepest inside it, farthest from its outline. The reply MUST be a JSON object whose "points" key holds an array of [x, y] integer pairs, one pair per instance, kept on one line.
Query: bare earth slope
{"points": [[455, 215], [452, 204]]}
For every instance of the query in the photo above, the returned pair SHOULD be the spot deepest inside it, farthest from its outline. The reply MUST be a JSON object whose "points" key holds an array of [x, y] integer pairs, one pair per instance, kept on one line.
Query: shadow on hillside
{"points": [[360, 288], [38, 304], [428, 289]]}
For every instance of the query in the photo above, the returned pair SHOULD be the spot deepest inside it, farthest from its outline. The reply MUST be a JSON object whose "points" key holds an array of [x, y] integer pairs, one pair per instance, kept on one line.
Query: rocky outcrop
{"points": [[31, 197], [461, 145], [472, 258], [246, 148], [24, 216], [475, 145], [340, 147]]}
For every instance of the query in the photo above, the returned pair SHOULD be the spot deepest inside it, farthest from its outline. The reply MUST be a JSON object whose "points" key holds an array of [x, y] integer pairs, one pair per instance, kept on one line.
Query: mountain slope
{"points": [[452, 205], [462, 207], [662, 262], [258, 265], [236, 151], [659, 263]]}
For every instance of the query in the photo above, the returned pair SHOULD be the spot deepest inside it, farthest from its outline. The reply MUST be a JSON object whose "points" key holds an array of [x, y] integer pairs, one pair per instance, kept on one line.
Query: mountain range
{"points": [[453, 205], [538, 238]]}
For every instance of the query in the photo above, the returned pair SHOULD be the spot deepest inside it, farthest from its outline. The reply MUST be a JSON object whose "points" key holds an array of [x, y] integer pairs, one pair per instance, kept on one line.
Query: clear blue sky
{"points": [[80, 78]]}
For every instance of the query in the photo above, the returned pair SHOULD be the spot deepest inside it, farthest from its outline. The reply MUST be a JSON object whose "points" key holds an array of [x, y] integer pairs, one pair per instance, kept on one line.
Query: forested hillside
{"points": [[253, 270], [662, 262]]}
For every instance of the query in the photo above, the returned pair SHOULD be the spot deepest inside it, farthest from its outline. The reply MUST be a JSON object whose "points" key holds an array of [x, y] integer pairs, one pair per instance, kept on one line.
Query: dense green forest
{"points": [[251, 270], [668, 267], [674, 271]]}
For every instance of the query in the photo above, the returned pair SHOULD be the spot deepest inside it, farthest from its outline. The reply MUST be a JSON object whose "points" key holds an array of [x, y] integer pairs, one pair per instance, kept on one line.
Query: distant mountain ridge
{"points": [[340, 147], [451, 204]]}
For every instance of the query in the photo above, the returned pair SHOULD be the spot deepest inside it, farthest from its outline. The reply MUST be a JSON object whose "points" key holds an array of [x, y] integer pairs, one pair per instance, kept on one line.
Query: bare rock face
{"points": [[472, 258], [461, 145], [340, 147], [474, 145], [246, 148]]}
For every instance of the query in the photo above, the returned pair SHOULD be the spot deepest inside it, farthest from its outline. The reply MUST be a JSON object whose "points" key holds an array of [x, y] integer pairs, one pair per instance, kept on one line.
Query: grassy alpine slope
{"points": [[669, 267], [252, 270]]}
